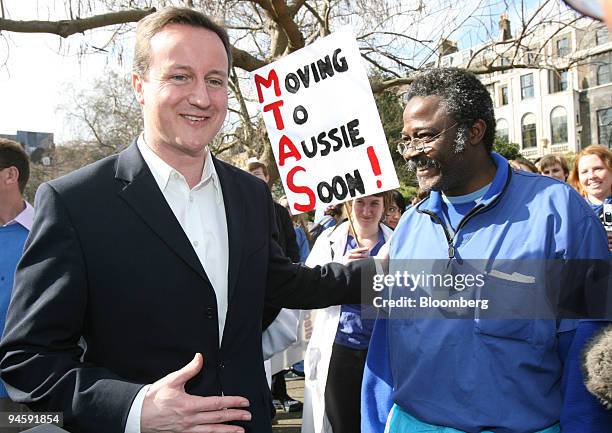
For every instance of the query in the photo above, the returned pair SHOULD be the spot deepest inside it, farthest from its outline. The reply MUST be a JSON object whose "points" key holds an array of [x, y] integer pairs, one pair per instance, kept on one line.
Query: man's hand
{"points": [[168, 408]]}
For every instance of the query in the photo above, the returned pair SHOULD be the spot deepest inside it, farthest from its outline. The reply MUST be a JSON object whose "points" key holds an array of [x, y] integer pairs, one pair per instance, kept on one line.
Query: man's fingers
{"points": [[210, 404], [221, 416], [180, 377], [218, 428]]}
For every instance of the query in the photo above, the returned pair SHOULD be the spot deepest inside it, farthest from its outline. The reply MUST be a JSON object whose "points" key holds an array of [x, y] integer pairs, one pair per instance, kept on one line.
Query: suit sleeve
{"points": [[295, 286], [41, 358], [286, 225]]}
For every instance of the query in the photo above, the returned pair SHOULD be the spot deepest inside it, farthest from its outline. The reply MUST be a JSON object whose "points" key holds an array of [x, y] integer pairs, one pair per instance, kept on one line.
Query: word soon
{"points": [[338, 188]]}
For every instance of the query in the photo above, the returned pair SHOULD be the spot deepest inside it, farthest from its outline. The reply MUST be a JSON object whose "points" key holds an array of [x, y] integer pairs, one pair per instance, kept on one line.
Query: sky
{"points": [[33, 81], [38, 68]]}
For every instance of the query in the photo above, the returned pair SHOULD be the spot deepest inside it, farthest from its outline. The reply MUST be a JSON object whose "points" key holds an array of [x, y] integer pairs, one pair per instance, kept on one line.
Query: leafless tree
{"points": [[396, 38]]}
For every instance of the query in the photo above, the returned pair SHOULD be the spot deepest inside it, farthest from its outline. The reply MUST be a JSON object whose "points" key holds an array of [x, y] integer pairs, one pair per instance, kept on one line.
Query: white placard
{"points": [[323, 124]]}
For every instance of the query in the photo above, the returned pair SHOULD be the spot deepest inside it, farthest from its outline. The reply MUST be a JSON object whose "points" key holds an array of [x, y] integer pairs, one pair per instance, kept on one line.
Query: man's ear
{"points": [[10, 175], [137, 85], [477, 131]]}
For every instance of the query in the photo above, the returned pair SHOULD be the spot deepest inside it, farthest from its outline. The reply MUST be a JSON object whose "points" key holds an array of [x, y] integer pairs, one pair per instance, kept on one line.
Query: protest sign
{"points": [[323, 124]]}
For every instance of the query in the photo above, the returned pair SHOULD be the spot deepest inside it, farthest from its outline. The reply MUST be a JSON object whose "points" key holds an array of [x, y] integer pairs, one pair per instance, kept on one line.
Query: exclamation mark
{"points": [[375, 165]]}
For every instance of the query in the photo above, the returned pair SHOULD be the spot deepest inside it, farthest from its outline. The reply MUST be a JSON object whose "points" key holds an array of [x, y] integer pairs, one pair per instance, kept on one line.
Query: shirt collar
{"points": [[24, 218], [434, 202], [162, 171]]}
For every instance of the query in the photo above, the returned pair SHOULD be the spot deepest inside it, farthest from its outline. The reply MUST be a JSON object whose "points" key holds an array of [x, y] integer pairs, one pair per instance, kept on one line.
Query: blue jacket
{"points": [[499, 375]]}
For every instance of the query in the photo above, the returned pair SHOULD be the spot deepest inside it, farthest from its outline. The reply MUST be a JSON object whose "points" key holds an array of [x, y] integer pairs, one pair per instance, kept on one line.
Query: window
{"points": [[526, 86], [491, 90], [601, 36], [604, 126], [558, 125], [528, 130], [531, 58], [603, 74], [558, 81], [563, 47], [504, 62], [504, 97], [502, 129]]}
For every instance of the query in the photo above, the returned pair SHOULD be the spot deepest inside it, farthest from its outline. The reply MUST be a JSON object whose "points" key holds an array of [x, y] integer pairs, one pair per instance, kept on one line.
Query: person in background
{"points": [[591, 176], [16, 216], [286, 235], [395, 209], [325, 219], [337, 351], [554, 166], [524, 165], [302, 236]]}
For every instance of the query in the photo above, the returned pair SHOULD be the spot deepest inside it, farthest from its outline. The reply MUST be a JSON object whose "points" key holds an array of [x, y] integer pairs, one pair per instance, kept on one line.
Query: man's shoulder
{"points": [[84, 177], [547, 192]]}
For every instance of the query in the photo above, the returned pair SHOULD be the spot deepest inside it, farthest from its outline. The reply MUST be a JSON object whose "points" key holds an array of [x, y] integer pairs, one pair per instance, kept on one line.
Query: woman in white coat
{"points": [[337, 350]]}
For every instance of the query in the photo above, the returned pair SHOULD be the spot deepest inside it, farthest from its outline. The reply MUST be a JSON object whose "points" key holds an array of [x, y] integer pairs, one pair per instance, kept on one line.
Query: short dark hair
{"points": [[399, 200], [150, 25], [464, 97], [13, 155], [549, 161]]}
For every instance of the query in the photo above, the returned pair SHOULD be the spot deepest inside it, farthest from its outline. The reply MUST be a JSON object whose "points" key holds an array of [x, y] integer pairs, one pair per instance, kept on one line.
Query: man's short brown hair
{"points": [[13, 155], [152, 24], [254, 165], [549, 161]]}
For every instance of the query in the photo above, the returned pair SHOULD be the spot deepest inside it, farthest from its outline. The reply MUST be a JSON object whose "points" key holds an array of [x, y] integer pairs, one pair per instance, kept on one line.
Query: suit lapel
{"points": [[234, 213], [142, 194]]}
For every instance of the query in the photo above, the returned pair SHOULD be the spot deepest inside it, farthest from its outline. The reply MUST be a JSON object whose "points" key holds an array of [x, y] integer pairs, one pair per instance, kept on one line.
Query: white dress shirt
{"points": [[201, 213], [25, 217]]}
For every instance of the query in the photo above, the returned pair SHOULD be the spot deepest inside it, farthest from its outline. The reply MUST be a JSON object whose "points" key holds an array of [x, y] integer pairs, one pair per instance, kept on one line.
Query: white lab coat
{"points": [[329, 247]]}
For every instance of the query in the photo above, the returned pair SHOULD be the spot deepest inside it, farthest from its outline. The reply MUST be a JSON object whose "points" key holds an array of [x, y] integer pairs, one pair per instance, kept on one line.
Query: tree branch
{"points": [[245, 60], [281, 15], [65, 28]]}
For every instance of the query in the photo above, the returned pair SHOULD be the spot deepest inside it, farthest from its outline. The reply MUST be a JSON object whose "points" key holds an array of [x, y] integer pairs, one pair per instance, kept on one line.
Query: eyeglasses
{"points": [[420, 144]]}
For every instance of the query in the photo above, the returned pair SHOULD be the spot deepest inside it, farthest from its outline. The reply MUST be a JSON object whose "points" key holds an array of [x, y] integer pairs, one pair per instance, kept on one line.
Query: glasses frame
{"points": [[421, 144]]}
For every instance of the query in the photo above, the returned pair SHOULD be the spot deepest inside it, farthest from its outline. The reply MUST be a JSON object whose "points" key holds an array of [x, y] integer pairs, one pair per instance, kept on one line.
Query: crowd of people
{"points": [[147, 278]]}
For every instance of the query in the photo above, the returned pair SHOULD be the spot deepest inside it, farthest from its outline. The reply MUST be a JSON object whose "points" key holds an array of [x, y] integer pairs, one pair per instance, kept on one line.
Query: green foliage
{"points": [[390, 109], [506, 149]]}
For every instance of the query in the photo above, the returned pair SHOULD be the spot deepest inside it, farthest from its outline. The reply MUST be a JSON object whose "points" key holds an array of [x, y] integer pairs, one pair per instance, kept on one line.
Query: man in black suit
{"points": [[139, 261]]}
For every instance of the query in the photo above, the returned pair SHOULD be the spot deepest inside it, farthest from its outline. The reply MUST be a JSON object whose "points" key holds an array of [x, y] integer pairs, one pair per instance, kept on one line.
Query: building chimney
{"points": [[505, 33], [447, 47]]}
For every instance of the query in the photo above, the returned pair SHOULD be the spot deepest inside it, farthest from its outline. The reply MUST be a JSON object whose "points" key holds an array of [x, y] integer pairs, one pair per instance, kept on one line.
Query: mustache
{"points": [[415, 163]]}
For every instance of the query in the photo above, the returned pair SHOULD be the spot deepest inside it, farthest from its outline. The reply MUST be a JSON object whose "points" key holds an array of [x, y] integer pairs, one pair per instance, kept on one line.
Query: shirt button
{"points": [[176, 175], [195, 243], [190, 199]]}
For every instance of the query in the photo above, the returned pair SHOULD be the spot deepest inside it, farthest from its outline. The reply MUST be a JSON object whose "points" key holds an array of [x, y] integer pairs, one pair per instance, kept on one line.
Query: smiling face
{"points": [[368, 211], [184, 93], [440, 167], [595, 177]]}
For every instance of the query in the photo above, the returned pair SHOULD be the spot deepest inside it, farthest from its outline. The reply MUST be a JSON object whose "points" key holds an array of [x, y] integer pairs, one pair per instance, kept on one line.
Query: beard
{"points": [[443, 180]]}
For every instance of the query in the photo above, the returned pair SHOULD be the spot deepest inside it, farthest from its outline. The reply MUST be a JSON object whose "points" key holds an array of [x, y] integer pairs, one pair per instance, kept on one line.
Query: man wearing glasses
{"points": [[473, 374]]}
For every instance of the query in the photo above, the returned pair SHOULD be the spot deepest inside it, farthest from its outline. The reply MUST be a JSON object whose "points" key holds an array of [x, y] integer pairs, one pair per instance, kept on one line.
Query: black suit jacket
{"points": [[108, 264]]}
